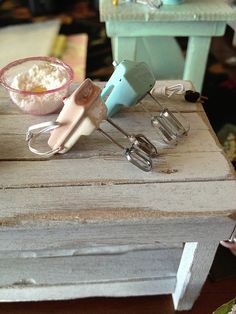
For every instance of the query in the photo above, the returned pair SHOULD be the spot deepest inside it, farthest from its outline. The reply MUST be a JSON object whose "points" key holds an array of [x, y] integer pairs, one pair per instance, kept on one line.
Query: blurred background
{"points": [[71, 30]]}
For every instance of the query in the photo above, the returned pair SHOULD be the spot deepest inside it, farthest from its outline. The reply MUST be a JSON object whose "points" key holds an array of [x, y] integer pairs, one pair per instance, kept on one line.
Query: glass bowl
{"points": [[37, 84]]}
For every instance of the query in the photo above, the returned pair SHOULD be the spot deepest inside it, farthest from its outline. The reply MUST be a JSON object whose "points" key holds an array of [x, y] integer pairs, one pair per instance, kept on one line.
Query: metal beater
{"points": [[130, 82], [82, 113]]}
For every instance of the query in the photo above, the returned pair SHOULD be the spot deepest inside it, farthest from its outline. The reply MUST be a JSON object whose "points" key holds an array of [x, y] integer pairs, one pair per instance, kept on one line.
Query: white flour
{"points": [[39, 78]]}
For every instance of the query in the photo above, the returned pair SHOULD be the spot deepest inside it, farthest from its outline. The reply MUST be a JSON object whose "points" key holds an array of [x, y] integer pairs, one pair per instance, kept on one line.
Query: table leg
{"points": [[162, 54], [196, 60], [123, 48], [193, 270]]}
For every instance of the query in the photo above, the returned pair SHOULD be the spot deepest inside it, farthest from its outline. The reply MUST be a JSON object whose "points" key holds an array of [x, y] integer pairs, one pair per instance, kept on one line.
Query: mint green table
{"points": [[141, 33]]}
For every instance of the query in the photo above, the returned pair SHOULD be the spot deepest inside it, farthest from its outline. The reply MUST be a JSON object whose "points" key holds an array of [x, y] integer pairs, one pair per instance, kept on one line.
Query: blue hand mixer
{"points": [[130, 82]]}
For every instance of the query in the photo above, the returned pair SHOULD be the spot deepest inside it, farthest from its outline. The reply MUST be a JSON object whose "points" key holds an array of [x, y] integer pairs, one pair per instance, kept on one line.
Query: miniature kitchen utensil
{"points": [[130, 82], [169, 127], [139, 140], [82, 113]]}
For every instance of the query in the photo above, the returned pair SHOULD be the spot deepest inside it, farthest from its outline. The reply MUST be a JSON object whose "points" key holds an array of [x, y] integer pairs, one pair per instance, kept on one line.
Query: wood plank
{"points": [[83, 249], [117, 202], [100, 170], [14, 147], [71, 237], [216, 294], [95, 268], [133, 122], [192, 272], [69, 292], [184, 271]]}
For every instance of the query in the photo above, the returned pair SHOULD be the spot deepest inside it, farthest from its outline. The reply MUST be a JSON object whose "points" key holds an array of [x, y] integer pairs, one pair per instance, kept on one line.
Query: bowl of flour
{"points": [[37, 85]]}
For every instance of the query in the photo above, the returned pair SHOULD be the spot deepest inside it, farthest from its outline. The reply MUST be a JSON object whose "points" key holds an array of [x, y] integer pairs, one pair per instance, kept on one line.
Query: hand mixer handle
{"points": [[128, 84]]}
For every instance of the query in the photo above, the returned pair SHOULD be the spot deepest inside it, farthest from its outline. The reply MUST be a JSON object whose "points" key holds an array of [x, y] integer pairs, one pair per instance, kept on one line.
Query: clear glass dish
{"points": [[35, 98]]}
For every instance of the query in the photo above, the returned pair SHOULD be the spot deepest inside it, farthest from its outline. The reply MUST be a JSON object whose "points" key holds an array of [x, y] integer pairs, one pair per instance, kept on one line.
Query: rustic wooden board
{"points": [[85, 268], [83, 236], [171, 168], [130, 121], [73, 247], [114, 202], [13, 129], [14, 147], [30, 292]]}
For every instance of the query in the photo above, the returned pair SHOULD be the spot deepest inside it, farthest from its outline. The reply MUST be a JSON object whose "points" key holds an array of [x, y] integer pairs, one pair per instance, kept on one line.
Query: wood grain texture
{"points": [[61, 218], [14, 147], [31, 238], [69, 292], [119, 201], [104, 170], [88, 268], [194, 268]]}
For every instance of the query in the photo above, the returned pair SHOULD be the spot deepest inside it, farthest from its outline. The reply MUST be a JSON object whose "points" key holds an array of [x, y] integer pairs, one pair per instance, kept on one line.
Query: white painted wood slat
{"points": [[135, 265], [133, 122], [14, 147], [172, 168], [119, 201], [154, 286], [55, 238]]}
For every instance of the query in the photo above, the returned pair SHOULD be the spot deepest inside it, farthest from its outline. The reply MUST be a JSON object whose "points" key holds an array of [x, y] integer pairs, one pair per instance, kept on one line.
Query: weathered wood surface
{"points": [[89, 205], [85, 268], [117, 201], [99, 236], [193, 270], [30, 292], [116, 170]]}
